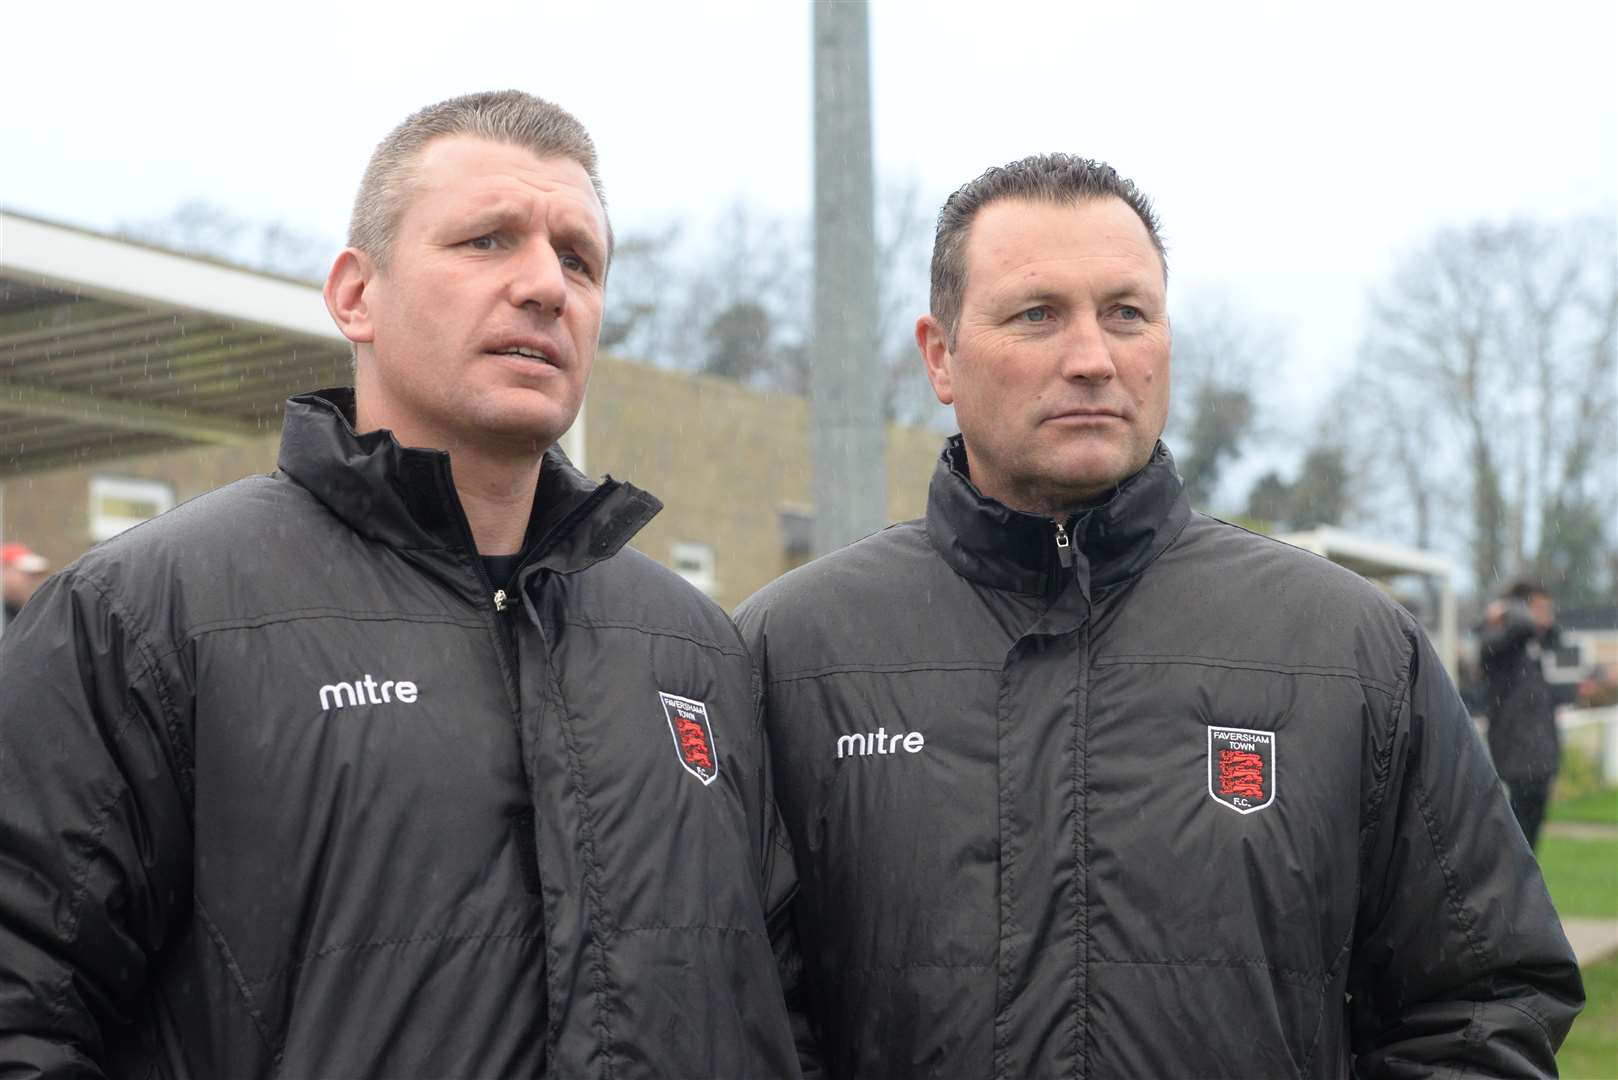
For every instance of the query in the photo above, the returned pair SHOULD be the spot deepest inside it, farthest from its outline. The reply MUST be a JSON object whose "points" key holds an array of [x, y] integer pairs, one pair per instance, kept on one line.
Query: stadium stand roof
{"points": [[109, 347]]}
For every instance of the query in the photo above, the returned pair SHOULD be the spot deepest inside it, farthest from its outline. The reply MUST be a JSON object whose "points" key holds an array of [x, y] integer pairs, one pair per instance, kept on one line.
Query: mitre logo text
{"points": [[367, 691], [880, 742]]}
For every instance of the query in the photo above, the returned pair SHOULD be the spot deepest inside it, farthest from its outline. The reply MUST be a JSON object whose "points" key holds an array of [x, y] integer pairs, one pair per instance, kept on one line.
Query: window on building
{"points": [[695, 563], [797, 533], [118, 502]]}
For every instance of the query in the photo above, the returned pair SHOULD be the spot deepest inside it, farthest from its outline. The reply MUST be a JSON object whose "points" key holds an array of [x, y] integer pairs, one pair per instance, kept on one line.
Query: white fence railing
{"points": [[1575, 722]]}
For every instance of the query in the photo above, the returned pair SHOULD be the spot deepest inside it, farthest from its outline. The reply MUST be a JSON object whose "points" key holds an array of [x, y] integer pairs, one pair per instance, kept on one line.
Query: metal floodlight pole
{"points": [[845, 383]]}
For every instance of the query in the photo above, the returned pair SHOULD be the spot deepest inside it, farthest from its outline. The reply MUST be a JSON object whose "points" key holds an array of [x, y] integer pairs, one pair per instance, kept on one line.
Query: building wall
{"points": [[725, 460], [50, 511]]}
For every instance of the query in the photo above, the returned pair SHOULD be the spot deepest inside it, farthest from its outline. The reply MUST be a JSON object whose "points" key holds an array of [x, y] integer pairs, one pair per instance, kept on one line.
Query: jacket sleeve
{"points": [[1459, 960], [95, 848], [781, 897], [1499, 644], [783, 924]]}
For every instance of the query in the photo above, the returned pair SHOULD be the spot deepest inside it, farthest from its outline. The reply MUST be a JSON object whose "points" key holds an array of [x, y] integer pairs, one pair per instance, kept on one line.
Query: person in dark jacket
{"points": [[397, 762], [1085, 784], [21, 571], [1517, 631]]}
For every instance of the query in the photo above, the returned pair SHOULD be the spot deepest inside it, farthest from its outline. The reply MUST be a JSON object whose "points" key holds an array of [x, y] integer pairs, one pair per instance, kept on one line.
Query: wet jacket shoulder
{"points": [[288, 791], [1148, 796]]}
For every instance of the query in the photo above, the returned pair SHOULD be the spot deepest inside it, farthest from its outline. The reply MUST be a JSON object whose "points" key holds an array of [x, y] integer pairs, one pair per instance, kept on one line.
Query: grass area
{"points": [[1596, 807], [1591, 1049], [1581, 874]]}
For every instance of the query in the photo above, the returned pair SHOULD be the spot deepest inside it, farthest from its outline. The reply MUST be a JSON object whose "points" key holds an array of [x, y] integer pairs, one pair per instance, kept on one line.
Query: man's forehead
{"points": [[470, 171], [1028, 237], [1056, 225]]}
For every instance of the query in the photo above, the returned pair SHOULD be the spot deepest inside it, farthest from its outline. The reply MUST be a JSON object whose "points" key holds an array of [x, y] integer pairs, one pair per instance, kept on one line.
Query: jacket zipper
{"points": [[1064, 547], [502, 599]]}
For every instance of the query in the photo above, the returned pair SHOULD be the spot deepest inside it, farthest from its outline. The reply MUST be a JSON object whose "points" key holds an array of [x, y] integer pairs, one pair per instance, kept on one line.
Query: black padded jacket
{"points": [[1143, 796], [288, 789]]}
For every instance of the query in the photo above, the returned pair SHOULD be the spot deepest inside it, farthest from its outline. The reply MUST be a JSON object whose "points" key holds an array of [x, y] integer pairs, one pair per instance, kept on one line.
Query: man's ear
{"points": [[935, 353], [351, 275]]}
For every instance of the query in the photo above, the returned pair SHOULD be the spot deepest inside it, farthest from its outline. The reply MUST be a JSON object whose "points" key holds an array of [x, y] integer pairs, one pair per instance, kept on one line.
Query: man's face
{"points": [[17, 585], [482, 329], [1059, 373], [1542, 610]]}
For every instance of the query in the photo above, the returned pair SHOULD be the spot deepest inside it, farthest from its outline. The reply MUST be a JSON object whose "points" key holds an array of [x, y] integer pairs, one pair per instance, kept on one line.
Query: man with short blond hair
{"points": [[1086, 784], [397, 762]]}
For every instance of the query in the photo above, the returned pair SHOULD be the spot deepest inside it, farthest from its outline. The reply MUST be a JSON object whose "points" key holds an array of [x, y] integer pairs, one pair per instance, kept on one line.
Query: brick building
{"points": [[132, 379]]}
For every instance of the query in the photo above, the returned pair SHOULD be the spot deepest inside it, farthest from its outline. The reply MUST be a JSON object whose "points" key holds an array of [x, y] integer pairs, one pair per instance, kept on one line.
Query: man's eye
{"points": [[572, 262], [1130, 314], [482, 243], [1036, 315]]}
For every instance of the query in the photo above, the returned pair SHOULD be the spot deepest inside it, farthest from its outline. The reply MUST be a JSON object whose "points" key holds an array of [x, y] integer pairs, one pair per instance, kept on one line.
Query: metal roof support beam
{"points": [[128, 415], [70, 317]]}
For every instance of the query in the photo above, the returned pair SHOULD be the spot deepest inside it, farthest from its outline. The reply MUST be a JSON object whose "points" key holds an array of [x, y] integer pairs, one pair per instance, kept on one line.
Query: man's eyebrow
{"points": [[1129, 290], [1032, 296], [487, 218], [1025, 291], [577, 230]]}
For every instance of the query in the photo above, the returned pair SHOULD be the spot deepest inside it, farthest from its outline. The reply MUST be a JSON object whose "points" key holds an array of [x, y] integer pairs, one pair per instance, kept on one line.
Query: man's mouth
{"points": [[526, 354], [1079, 415]]}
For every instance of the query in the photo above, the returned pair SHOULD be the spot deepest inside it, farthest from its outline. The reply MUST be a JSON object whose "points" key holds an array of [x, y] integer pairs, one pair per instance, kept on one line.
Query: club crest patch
{"points": [[693, 736], [1241, 768]]}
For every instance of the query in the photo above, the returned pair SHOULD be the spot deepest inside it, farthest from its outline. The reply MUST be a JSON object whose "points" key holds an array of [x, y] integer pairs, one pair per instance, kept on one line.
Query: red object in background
{"points": [[22, 557]]}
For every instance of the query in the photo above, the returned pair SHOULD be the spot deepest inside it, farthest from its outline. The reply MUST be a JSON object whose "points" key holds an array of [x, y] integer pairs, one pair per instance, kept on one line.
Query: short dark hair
{"points": [[1525, 589], [1049, 178]]}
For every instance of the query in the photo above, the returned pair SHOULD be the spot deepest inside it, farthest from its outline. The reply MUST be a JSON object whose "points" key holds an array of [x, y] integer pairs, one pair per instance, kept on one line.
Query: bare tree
{"points": [[1319, 495], [200, 227], [904, 243], [636, 320], [736, 304], [1214, 410], [1498, 342], [1397, 476]]}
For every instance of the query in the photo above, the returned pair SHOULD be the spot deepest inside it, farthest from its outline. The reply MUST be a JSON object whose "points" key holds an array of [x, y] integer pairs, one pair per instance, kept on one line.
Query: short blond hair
{"points": [[506, 116]]}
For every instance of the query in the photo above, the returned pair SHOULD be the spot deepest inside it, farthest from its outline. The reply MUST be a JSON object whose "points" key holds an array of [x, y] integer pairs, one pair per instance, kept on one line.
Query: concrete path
{"points": [[1592, 939], [1581, 830]]}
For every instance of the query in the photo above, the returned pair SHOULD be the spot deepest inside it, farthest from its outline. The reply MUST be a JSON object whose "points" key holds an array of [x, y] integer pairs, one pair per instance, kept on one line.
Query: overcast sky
{"points": [[1295, 151]]}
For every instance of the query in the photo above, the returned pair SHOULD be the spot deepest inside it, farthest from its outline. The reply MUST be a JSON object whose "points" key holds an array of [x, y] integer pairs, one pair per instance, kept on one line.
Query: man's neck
{"points": [[497, 498]]}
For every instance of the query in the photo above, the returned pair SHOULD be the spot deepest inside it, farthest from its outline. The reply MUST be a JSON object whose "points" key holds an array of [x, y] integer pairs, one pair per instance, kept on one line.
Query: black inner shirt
{"points": [[501, 567]]}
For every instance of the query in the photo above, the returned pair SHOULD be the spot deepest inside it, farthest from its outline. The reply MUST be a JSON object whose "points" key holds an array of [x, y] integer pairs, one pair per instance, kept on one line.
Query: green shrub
{"points": [[1580, 775]]}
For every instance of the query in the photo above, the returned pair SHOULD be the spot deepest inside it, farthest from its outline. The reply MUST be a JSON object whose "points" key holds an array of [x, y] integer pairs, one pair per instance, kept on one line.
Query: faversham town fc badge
{"points": [[1241, 768], [693, 736]]}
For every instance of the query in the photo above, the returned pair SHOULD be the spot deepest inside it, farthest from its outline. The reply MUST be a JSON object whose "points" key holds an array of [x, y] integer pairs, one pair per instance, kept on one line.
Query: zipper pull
{"points": [[499, 599], [1064, 550]]}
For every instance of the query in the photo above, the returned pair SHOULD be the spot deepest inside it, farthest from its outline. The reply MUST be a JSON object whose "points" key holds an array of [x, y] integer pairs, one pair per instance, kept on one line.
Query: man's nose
{"points": [[1086, 353], [538, 279]]}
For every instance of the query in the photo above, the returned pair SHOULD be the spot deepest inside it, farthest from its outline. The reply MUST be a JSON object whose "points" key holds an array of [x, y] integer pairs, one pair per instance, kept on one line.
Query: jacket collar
{"points": [[1111, 542], [404, 497]]}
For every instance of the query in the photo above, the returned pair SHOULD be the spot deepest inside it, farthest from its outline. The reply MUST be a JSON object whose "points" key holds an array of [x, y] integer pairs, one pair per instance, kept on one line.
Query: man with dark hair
{"points": [[1086, 784], [372, 768], [1518, 630]]}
